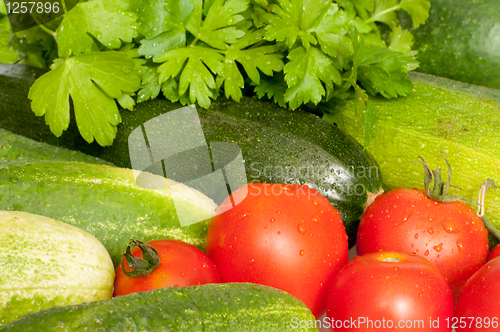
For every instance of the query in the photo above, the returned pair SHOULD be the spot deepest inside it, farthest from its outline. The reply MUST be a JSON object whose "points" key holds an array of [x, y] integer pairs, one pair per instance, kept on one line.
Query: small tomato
{"points": [[181, 264]]}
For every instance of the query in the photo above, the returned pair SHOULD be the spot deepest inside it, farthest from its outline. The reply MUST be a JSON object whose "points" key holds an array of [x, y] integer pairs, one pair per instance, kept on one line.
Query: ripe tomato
{"points": [[494, 253], [181, 265], [450, 235], [389, 291], [478, 307], [281, 235]]}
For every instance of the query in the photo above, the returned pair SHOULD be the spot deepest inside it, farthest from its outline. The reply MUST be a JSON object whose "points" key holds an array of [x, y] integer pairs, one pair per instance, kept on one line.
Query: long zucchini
{"points": [[277, 145], [45, 263], [460, 40], [234, 307], [462, 120], [106, 201]]}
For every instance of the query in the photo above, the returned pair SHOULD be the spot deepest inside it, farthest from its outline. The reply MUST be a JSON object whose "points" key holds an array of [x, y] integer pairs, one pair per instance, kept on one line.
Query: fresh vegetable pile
{"points": [[102, 230]]}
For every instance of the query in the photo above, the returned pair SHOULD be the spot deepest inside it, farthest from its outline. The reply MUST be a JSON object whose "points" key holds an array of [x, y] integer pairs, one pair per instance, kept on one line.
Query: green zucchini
{"points": [[460, 40], [46, 263], [17, 147], [234, 307], [278, 145], [106, 201], [460, 119]]}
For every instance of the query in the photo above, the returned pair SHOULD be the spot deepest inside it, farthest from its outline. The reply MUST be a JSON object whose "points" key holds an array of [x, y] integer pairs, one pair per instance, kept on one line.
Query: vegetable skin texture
{"points": [[46, 263], [105, 201], [241, 307], [17, 147], [460, 41], [460, 119]]}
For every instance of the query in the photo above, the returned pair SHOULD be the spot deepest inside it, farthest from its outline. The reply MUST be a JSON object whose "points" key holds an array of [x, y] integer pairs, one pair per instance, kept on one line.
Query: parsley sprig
{"points": [[313, 54]]}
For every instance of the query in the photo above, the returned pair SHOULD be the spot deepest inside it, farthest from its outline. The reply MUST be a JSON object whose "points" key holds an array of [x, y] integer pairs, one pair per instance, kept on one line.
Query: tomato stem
{"points": [[480, 211], [439, 191], [140, 267]]}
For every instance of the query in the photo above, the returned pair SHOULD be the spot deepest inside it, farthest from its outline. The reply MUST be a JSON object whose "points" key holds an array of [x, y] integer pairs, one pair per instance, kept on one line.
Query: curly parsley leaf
{"points": [[7, 53], [417, 9], [93, 81], [217, 29], [401, 40], [331, 33], [295, 19], [3, 10], [305, 75], [106, 20], [266, 58], [273, 88], [164, 25], [194, 74], [384, 71]]}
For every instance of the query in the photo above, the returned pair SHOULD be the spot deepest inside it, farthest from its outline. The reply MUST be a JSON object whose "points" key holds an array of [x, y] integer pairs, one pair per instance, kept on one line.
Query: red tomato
{"points": [[389, 291], [286, 236], [449, 235], [478, 307], [494, 253], [181, 265]]}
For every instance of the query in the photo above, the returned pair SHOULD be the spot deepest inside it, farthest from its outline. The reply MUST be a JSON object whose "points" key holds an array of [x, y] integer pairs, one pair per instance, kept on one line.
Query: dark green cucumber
{"points": [[105, 201], [460, 40], [233, 307], [278, 145], [17, 147]]}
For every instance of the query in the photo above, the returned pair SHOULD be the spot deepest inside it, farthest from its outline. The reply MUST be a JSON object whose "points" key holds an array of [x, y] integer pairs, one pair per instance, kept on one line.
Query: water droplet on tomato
{"points": [[426, 253], [430, 230], [272, 220], [415, 236], [279, 232], [460, 245], [449, 226], [302, 253], [183, 274], [265, 226], [315, 219], [243, 215], [438, 248], [315, 202], [301, 228]]}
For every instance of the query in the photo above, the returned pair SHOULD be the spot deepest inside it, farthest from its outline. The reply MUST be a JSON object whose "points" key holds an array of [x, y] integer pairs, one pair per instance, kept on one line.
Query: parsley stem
{"points": [[194, 41], [43, 27], [374, 17], [64, 6]]}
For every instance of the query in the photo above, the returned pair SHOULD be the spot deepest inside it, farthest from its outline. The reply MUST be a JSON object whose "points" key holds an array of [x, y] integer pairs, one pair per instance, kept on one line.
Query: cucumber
{"points": [[17, 147], [234, 307], [460, 119], [46, 263], [460, 40], [278, 145], [106, 202]]}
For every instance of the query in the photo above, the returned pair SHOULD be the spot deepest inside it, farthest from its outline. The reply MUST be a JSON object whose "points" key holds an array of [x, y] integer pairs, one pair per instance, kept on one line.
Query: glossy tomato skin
{"points": [[181, 265], [478, 307], [386, 288], [286, 236], [450, 235], [494, 253]]}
